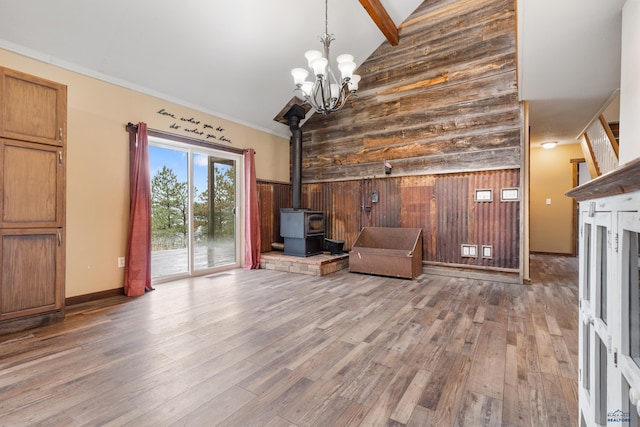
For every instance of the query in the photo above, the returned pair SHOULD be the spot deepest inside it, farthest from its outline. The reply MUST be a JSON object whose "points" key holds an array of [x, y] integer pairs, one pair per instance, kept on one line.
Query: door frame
{"points": [[575, 222]]}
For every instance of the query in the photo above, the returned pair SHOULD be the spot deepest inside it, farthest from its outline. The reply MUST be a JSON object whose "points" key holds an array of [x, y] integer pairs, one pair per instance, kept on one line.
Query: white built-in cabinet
{"points": [[609, 302]]}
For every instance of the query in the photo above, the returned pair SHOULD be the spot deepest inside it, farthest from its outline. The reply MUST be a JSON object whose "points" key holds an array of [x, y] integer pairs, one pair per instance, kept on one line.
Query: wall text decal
{"points": [[193, 126]]}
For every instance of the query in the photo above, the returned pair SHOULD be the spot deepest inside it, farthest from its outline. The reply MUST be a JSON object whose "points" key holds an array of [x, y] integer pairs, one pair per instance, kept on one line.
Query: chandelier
{"points": [[326, 94]]}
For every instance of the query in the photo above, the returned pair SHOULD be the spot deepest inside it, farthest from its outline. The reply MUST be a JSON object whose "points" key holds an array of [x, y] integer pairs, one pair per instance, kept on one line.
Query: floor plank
{"points": [[269, 348]]}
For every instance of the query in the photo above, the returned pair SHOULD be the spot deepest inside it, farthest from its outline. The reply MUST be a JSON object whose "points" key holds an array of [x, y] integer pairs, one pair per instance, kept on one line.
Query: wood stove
{"points": [[303, 231]]}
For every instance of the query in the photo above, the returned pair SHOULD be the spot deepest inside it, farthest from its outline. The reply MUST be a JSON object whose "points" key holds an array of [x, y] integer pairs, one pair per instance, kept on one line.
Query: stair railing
{"points": [[600, 148]]}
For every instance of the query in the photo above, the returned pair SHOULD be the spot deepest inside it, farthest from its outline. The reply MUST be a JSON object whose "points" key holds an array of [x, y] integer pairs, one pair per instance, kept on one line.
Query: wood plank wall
{"points": [[272, 196], [442, 108], [444, 100], [442, 205]]}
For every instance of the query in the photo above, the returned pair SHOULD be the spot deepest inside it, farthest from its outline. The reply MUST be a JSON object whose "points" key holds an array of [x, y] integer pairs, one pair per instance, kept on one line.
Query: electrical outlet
{"points": [[469, 251], [120, 262]]}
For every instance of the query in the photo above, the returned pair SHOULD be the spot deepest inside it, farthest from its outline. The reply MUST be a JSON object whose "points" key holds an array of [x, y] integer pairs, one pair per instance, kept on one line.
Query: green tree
{"points": [[201, 215], [169, 210], [224, 200]]}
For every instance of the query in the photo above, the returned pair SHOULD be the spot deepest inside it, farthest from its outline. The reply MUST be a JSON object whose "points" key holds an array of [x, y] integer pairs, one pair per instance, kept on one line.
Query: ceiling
{"points": [[233, 58], [569, 63]]}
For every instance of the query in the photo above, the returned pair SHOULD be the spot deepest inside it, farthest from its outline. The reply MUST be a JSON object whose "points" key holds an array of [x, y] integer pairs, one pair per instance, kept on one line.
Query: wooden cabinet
{"points": [[32, 200], [32, 272], [32, 182], [33, 109]]}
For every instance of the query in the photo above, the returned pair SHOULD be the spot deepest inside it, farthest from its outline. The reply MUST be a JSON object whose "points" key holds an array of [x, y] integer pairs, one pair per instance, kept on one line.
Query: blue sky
{"points": [[176, 160]]}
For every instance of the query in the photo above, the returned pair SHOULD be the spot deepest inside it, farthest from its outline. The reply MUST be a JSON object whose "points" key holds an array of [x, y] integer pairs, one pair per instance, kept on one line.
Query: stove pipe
{"points": [[294, 115]]}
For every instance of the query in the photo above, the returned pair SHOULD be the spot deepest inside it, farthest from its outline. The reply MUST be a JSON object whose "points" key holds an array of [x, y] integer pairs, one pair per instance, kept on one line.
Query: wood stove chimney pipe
{"points": [[293, 116]]}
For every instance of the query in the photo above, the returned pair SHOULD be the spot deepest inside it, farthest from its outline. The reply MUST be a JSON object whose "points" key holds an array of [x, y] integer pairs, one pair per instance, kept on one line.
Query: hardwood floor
{"points": [[267, 348]]}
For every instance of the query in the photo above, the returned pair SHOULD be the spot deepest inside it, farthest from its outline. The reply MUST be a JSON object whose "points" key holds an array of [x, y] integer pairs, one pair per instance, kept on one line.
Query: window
{"points": [[169, 211], [601, 276], [634, 295], [601, 404], [586, 356], [587, 262]]}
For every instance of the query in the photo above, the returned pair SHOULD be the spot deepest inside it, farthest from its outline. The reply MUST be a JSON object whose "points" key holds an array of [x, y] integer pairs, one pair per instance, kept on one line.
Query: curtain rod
{"points": [[131, 128]]}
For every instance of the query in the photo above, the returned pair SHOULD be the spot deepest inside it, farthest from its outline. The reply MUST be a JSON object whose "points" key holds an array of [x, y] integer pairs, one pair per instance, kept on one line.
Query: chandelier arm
{"points": [[341, 99], [323, 92], [313, 98]]}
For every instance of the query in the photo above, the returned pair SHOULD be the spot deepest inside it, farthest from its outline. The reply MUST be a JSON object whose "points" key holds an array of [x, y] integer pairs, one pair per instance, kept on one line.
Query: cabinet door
{"points": [[33, 109], [32, 272], [31, 185], [629, 302], [595, 329]]}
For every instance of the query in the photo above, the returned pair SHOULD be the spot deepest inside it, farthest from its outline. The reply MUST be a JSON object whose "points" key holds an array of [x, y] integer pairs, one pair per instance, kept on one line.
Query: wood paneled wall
{"points": [[442, 108], [444, 100], [442, 205], [272, 197]]}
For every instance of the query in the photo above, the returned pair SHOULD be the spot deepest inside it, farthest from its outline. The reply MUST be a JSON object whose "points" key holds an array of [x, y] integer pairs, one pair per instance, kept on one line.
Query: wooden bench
{"points": [[387, 251]]}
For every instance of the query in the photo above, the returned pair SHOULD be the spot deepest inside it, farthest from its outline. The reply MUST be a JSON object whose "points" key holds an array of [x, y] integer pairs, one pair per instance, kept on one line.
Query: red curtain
{"points": [[137, 272], [251, 212]]}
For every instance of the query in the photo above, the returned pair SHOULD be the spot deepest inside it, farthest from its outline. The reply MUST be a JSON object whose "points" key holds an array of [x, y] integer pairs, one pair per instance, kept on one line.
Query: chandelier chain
{"points": [[326, 17]]}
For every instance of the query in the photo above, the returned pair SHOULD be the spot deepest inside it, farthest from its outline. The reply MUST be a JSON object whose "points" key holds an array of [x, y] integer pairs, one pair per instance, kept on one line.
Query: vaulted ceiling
{"points": [[233, 58]]}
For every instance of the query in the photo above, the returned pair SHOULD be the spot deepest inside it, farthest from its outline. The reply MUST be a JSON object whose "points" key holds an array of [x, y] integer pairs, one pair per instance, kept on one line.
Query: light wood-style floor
{"points": [[267, 348]]}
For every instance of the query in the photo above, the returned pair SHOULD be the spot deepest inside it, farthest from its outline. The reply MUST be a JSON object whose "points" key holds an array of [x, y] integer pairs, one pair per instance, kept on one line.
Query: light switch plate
{"points": [[509, 194], [487, 251], [483, 195]]}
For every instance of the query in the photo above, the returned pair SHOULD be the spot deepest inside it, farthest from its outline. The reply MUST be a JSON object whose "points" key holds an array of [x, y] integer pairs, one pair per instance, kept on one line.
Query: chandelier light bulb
{"points": [[346, 68], [299, 76], [345, 57], [335, 91], [311, 55], [353, 83], [319, 66], [307, 88]]}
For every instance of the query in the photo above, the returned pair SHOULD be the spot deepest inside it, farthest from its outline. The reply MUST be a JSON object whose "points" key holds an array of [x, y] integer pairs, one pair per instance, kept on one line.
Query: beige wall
{"points": [[551, 177], [97, 166]]}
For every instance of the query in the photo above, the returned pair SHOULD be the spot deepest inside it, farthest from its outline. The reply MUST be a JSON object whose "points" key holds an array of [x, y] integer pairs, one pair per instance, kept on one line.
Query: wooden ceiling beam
{"points": [[379, 14]]}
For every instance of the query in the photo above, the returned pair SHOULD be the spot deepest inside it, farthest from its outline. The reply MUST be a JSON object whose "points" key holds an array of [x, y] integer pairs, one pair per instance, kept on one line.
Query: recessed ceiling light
{"points": [[549, 144]]}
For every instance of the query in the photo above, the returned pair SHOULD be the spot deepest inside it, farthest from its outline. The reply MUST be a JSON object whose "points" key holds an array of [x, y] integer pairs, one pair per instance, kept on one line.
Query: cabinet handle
{"points": [[60, 157], [59, 238], [60, 134]]}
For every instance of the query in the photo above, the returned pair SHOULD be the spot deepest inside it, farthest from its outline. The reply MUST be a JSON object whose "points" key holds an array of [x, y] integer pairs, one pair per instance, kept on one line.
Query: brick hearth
{"points": [[317, 265]]}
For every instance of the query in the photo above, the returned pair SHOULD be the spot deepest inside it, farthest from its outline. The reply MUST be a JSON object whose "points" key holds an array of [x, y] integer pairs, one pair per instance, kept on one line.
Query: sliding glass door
{"points": [[194, 193]]}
